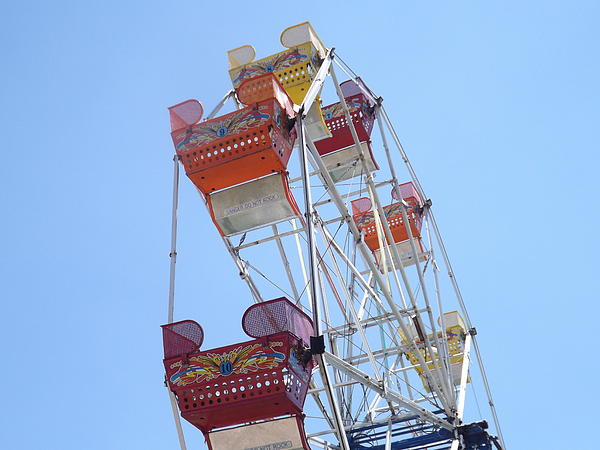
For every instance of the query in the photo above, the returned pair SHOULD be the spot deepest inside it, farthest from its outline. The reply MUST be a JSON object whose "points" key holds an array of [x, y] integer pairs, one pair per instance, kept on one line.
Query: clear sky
{"points": [[496, 103]]}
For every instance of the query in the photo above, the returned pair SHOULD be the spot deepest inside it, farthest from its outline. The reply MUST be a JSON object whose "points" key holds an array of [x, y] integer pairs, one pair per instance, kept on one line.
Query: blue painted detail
{"points": [[438, 437], [476, 438], [276, 355], [226, 367], [222, 132], [403, 432], [269, 68], [474, 435]]}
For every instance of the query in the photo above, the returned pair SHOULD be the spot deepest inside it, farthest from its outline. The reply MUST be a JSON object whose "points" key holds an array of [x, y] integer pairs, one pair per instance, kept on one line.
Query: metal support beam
{"points": [[316, 86], [451, 274], [313, 285], [364, 250], [385, 392], [286, 264], [171, 303], [464, 378], [438, 382], [217, 108]]}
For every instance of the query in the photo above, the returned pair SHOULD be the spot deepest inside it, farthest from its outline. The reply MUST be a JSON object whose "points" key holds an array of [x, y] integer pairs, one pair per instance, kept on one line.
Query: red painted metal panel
{"points": [[239, 146], [254, 380], [363, 117], [180, 338], [274, 316]]}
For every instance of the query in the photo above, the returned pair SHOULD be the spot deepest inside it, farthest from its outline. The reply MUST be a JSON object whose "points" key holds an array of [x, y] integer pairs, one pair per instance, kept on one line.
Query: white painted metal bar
{"points": [[354, 193], [388, 437], [356, 321], [361, 424], [365, 252], [351, 74], [385, 392], [296, 179], [455, 444], [286, 264], [363, 303], [278, 236], [423, 399], [361, 358], [243, 271], [171, 303], [314, 392], [173, 253], [451, 274], [364, 323], [335, 386], [301, 260], [321, 443], [366, 284], [436, 362], [354, 317], [177, 419], [331, 338], [435, 375], [234, 254], [313, 282], [217, 108], [316, 86], [438, 295], [464, 378]]}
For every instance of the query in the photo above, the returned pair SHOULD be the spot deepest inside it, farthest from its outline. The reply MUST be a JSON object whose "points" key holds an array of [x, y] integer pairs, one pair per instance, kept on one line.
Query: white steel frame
{"points": [[339, 291]]}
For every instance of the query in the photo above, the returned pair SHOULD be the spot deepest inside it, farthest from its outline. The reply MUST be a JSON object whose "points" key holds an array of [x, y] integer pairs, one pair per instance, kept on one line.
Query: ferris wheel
{"points": [[359, 335]]}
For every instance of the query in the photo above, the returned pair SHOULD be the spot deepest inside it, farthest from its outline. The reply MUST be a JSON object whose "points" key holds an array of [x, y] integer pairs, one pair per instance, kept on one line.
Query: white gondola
{"points": [[344, 164], [252, 205], [287, 433], [406, 255]]}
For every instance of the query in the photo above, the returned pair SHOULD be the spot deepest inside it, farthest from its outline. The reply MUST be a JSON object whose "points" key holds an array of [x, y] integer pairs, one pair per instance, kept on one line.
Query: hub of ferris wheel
{"points": [[361, 351]]}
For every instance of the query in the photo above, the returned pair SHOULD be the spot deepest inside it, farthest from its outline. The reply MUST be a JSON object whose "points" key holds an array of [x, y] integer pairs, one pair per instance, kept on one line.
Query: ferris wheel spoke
{"points": [[286, 264]]}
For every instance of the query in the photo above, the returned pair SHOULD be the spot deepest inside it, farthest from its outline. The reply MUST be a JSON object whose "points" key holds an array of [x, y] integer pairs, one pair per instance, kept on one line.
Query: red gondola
{"points": [[240, 146], [249, 381]]}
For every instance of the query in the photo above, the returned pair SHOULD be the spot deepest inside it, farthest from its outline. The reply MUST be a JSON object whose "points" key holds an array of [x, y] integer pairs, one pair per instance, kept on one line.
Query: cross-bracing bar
{"points": [[386, 393], [451, 273], [365, 252], [439, 382]]}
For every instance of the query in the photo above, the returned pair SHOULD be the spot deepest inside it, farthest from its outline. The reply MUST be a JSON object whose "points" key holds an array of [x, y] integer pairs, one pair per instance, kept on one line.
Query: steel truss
{"points": [[363, 393]]}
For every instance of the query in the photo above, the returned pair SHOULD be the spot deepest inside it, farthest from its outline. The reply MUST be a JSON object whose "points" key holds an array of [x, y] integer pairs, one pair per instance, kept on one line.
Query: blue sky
{"points": [[496, 104]]}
